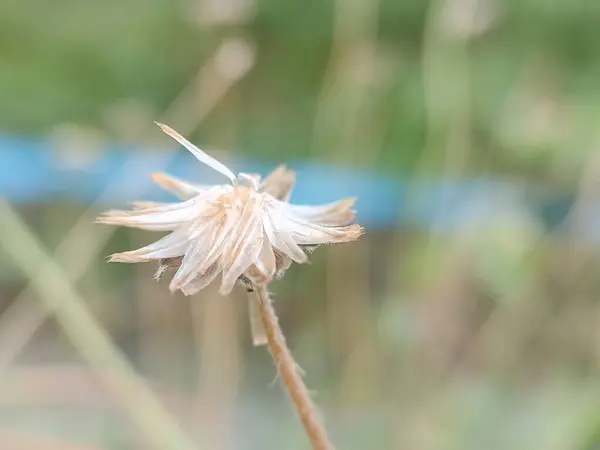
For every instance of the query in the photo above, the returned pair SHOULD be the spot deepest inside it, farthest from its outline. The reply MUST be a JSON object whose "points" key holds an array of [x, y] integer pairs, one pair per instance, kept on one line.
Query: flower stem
{"points": [[290, 375]]}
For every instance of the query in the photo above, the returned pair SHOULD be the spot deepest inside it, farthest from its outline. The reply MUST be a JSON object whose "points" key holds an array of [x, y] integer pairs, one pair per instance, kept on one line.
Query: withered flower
{"points": [[249, 233], [246, 231]]}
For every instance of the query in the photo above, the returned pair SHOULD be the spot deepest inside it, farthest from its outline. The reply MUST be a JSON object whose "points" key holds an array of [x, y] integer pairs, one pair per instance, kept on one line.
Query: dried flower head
{"points": [[246, 231]]}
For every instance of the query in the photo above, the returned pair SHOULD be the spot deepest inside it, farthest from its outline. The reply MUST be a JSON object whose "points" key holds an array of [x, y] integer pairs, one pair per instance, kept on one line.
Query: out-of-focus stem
{"points": [[55, 290]]}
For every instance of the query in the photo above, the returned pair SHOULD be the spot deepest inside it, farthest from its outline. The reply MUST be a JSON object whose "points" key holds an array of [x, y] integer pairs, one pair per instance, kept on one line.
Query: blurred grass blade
{"points": [[84, 332]]}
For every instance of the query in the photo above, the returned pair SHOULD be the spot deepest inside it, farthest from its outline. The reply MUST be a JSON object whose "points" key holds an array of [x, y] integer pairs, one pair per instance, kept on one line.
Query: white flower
{"points": [[245, 230]]}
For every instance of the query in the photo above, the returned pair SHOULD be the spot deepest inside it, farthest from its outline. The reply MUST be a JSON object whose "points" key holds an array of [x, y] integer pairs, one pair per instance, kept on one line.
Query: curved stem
{"points": [[290, 375]]}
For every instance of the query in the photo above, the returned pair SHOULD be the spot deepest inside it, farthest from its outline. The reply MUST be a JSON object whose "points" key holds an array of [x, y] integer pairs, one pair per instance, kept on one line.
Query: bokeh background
{"points": [[466, 318]]}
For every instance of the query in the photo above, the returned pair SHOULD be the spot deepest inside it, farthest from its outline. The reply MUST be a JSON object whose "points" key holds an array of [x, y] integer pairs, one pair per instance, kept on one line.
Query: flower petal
{"points": [[197, 258], [199, 154], [165, 216], [266, 263], [263, 269], [281, 241], [182, 189], [201, 281], [310, 234], [307, 233], [170, 246], [248, 180], [331, 215], [157, 218], [242, 256], [243, 249], [279, 183]]}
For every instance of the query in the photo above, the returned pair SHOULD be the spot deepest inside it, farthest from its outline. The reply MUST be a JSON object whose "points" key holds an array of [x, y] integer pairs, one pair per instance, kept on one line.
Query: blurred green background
{"points": [[478, 337]]}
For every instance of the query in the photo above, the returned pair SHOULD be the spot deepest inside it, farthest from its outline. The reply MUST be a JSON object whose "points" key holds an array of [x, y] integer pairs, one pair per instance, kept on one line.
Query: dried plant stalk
{"points": [[257, 329], [290, 374], [248, 232]]}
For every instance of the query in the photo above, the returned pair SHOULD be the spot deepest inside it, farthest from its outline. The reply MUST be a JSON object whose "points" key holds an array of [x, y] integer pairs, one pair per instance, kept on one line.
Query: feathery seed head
{"points": [[246, 231]]}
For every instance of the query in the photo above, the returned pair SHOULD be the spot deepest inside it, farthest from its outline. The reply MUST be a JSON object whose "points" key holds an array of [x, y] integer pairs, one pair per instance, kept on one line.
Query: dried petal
{"points": [[182, 189], [199, 154], [201, 281], [246, 231], [279, 183], [304, 232], [266, 263], [280, 239], [158, 218], [244, 247], [170, 246], [332, 215], [139, 205], [198, 257]]}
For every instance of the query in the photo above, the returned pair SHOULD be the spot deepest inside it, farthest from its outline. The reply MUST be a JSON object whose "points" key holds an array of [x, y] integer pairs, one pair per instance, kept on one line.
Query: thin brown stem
{"points": [[290, 375]]}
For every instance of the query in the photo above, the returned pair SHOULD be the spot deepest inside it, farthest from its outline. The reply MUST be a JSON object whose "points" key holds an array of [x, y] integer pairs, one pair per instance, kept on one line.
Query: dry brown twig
{"points": [[247, 232], [290, 374]]}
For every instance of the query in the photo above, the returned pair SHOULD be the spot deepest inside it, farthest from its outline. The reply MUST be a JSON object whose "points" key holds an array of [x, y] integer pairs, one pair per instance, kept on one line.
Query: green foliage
{"points": [[70, 61]]}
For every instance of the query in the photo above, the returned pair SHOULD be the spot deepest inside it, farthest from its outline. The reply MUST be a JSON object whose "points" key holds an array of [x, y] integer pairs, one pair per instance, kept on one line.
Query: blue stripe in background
{"points": [[32, 172]]}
